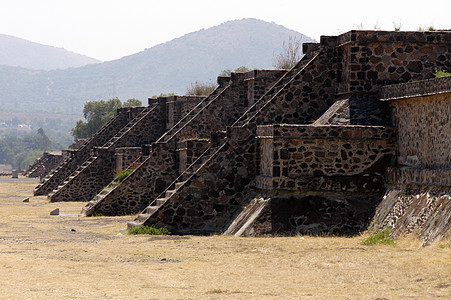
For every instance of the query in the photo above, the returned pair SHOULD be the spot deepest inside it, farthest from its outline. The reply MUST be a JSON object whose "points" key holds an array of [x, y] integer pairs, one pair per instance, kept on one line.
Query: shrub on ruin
{"points": [[228, 72], [122, 175], [441, 73], [152, 230], [290, 54], [199, 88]]}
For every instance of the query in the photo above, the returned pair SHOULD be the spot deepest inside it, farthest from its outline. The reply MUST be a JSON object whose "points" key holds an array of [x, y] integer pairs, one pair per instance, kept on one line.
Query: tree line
{"points": [[21, 152]]}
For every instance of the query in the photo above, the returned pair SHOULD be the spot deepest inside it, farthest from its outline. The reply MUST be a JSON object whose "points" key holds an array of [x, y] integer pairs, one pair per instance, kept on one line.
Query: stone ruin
{"points": [[357, 133], [44, 164]]}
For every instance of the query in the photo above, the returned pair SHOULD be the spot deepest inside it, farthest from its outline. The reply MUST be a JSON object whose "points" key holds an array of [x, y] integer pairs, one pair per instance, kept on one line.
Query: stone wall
{"points": [[320, 179], [125, 157], [44, 164], [423, 121], [215, 193], [143, 184], [316, 214], [189, 150], [144, 129], [259, 82], [179, 106], [291, 154], [406, 176], [307, 95], [376, 58], [424, 211]]}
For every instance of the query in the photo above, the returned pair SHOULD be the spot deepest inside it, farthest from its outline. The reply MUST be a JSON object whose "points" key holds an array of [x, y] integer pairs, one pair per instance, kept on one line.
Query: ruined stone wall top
{"points": [[366, 36], [416, 88], [265, 74], [325, 131]]}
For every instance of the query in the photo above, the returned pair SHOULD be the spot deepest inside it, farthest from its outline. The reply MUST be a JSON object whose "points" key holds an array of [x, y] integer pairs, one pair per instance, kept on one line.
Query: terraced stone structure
{"points": [[304, 150], [164, 161]]}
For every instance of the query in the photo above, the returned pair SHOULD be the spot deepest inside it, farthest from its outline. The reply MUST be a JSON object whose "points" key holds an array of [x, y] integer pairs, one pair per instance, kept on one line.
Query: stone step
{"points": [[151, 209], [160, 201], [169, 193], [142, 218], [132, 224], [105, 191], [185, 176], [179, 184], [99, 197]]}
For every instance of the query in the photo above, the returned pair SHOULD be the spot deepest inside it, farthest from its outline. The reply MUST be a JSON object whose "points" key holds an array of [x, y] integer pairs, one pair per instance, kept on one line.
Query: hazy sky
{"points": [[111, 29]]}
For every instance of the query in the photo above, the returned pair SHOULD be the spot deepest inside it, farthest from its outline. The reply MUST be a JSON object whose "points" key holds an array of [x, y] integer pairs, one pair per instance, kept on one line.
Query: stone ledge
{"points": [[421, 177], [328, 184], [369, 36], [326, 132], [416, 89]]}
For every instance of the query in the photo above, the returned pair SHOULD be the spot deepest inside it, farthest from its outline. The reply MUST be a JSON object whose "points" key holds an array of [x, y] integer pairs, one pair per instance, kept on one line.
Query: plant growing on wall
{"points": [[441, 73], [290, 54]]}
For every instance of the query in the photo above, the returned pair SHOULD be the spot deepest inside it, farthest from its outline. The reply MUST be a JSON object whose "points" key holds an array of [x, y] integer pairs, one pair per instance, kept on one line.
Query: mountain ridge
{"points": [[18, 52]]}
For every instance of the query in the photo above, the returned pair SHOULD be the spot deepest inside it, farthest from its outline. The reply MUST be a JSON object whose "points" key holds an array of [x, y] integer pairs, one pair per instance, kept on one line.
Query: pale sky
{"points": [[110, 29]]}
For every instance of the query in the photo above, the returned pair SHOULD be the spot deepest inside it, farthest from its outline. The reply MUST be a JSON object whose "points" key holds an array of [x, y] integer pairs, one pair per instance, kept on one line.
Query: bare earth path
{"points": [[72, 257]]}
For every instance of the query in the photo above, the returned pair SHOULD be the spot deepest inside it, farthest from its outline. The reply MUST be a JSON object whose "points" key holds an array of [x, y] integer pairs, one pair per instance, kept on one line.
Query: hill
{"points": [[18, 52], [165, 68]]}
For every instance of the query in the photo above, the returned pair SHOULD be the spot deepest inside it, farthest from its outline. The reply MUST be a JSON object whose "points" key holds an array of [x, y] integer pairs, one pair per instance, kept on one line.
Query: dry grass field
{"points": [[72, 257]]}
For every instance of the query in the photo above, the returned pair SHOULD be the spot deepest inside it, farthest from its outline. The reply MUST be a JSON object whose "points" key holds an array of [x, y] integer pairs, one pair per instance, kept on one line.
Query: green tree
{"points": [[97, 114], [290, 54], [132, 102], [20, 152]]}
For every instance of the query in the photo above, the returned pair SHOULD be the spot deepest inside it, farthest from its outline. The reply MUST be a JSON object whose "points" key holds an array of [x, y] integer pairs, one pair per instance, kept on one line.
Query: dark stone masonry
{"points": [[356, 134]]}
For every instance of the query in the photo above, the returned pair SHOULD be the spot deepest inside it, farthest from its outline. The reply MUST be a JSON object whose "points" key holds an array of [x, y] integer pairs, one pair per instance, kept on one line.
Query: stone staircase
{"points": [[76, 157], [183, 122], [167, 137], [89, 208], [79, 170], [34, 169], [129, 126], [87, 167], [277, 87], [172, 189], [208, 156]]}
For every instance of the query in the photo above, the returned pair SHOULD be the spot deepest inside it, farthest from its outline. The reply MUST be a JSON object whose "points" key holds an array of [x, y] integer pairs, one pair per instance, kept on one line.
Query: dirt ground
{"points": [[73, 257]]}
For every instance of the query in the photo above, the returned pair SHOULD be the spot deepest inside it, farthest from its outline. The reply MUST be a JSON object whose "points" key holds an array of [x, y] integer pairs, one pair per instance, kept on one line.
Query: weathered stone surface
{"points": [[422, 210]]}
